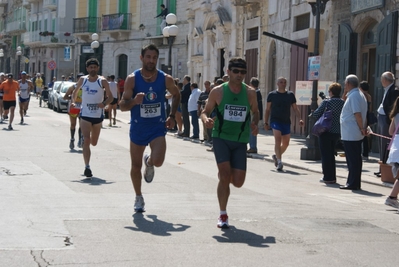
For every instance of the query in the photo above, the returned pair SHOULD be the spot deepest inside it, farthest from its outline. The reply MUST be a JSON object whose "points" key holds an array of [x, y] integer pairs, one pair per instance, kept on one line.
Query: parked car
{"points": [[51, 94], [59, 104]]}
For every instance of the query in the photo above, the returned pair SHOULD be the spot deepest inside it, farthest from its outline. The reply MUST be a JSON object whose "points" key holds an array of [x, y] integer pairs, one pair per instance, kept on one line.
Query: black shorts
{"points": [[8, 104], [93, 120], [230, 151], [114, 102]]}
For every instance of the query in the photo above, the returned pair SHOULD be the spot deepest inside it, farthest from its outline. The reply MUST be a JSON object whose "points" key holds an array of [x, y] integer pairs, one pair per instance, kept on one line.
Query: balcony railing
{"points": [[86, 25], [118, 21], [34, 37], [16, 26], [50, 4]]}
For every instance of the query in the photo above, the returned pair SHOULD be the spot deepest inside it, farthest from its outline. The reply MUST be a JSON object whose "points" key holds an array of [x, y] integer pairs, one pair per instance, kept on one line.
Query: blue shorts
{"points": [[23, 100], [230, 151], [142, 135], [284, 128], [92, 120]]}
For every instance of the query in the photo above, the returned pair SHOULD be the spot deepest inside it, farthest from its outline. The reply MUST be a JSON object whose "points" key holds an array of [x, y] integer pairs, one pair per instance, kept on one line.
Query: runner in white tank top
{"points": [[113, 86], [25, 86], [93, 103]]}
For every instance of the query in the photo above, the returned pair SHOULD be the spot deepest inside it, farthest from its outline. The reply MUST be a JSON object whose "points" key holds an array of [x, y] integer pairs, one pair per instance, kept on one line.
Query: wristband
{"points": [[172, 116]]}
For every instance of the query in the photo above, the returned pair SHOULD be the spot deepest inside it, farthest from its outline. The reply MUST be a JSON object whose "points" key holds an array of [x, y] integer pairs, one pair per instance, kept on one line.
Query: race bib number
{"points": [[150, 110], [235, 113], [92, 108], [78, 105]]}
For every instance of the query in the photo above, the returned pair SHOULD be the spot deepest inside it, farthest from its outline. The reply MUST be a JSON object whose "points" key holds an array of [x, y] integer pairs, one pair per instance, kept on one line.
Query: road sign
{"points": [[51, 65], [303, 91], [314, 68], [26, 60]]}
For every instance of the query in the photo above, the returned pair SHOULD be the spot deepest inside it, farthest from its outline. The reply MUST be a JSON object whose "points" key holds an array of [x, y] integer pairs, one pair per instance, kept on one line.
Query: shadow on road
{"points": [[93, 181], [155, 226], [234, 235]]}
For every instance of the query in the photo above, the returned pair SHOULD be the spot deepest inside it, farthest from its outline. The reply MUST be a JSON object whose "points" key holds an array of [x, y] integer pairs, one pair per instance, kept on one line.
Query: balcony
{"points": [[17, 26], [26, 4], [3, 3], [50, 4], [84, 27], [117, 23], [33, 1]]}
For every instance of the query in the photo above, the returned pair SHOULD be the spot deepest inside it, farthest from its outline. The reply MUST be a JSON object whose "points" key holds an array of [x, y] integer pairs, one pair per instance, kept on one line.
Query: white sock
{"points": [[223, 212]]}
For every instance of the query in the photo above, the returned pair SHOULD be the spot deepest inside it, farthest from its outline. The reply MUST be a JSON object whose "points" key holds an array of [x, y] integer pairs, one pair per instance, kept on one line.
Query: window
{"points": [[302, 22], [253, 34]]}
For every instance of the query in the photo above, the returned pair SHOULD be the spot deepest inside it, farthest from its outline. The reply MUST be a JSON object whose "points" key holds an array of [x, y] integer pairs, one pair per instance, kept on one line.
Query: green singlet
{"points": [[233, 116]]}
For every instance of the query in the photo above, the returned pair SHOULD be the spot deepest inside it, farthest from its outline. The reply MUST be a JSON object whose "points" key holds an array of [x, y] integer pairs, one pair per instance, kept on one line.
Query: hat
{"points": [[38, 74], [10, 75], [2, 74], [23, 73], [80, 74]]}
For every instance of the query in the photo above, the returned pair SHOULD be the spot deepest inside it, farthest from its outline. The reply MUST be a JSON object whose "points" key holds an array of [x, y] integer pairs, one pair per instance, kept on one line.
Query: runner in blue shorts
{"points": [[279, 104], [144, 96]]}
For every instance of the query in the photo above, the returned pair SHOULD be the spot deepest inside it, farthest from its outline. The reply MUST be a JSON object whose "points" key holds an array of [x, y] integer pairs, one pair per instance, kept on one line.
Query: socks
{"points": [[87, 166], [393, 197], [72, 134], [223, 212]]}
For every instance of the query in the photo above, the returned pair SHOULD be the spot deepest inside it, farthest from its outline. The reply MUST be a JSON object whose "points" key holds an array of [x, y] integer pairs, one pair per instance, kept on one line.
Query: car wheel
{"points": [[58, 107]]}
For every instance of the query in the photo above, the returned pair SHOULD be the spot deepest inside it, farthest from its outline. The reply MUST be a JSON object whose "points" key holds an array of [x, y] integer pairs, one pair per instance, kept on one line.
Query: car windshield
{"points": [[65, 89]]}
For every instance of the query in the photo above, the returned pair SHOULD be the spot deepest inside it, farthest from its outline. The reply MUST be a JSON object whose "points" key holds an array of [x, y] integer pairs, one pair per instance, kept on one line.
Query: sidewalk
{"points": [[291, 158]]}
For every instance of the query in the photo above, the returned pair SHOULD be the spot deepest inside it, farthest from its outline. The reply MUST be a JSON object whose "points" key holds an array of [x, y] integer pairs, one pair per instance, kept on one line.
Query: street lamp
{"points": [[1, 56], [19, 53], [170, 32], [311, 151], [95, 44]]}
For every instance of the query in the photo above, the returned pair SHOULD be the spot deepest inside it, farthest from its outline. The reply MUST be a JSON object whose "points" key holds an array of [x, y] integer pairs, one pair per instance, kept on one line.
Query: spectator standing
{"points": [[383, 121], [364, 87], [393, 159], [185, 95], [328, 140], [193, 109], [163, 14], [254, 82], [201, 105], [353, 130]]}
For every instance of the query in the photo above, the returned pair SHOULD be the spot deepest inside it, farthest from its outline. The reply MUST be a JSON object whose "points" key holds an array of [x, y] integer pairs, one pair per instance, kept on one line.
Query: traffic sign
{"points": [[51, 65]]}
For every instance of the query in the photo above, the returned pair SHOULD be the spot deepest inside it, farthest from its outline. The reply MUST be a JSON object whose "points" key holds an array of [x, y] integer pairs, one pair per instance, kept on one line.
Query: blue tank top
{"points": [[152, 110]]}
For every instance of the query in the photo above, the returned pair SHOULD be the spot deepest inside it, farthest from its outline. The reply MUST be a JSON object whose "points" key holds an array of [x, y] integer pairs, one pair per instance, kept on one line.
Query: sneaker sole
{"points": [[224, 226], [139, 210], [391, 205]]}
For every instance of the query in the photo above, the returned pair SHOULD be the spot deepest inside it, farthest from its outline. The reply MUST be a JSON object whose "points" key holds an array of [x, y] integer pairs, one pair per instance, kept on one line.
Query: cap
{"points": [[80, 74], [23, 73], [38, 74], [10, 75], [2, 74]]}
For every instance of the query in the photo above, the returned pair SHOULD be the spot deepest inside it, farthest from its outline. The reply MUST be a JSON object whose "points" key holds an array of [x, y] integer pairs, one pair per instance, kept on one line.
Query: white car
{"points": [[59, 104], [51, 94]]}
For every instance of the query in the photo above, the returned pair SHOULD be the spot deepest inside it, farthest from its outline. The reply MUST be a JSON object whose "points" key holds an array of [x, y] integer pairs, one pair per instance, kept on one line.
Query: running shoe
{"points": [[223, 221], [149, 170], [109, 125], [139, 204], [392, 202], [280, 166], [275, 160], [72, 144], [10, 127], [80, 143], [22, 122], [88, 173]]}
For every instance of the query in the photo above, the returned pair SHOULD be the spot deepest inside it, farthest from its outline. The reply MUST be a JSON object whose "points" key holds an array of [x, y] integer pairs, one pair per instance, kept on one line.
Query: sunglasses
{"points": [[239, 71]]}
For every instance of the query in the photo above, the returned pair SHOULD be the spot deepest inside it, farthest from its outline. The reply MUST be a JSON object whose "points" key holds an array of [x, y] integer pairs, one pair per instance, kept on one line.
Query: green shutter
{"points": [[14, 42], [123, 6], [45, 25], [93, 15], [159, 20], [53, 25], [172, 6]]}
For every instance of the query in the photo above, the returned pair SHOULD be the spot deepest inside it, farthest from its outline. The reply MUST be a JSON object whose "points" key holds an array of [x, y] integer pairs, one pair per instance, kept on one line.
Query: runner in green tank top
{"points": [[234, 102]]}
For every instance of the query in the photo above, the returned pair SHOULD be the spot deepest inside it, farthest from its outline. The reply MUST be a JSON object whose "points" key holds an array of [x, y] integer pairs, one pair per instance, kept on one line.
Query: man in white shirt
{"points": [[390, 95], [192, 109]]}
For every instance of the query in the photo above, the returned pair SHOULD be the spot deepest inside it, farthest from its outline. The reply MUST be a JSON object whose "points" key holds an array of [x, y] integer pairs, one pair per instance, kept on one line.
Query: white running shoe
{"points": [[280, 166], [223, 221], [139, 204], [149, 170], [392, 202]]}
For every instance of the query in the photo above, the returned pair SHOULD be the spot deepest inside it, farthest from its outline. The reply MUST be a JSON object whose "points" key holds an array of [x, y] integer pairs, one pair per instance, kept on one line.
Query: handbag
{"points": [[371, 118], [324, 123]]}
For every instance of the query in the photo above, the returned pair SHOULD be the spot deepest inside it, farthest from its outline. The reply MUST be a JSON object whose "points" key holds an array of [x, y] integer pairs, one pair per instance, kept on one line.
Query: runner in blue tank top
{"points": [[144, 96]]}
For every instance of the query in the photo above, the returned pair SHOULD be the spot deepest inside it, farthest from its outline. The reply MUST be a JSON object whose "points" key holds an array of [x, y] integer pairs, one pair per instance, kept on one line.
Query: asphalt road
{"points": [[51, 216]]}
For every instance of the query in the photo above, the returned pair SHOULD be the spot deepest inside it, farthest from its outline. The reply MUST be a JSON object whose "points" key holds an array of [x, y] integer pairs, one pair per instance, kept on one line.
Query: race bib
{"points": [[235, 113], [150, 110], [92, 108]]}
